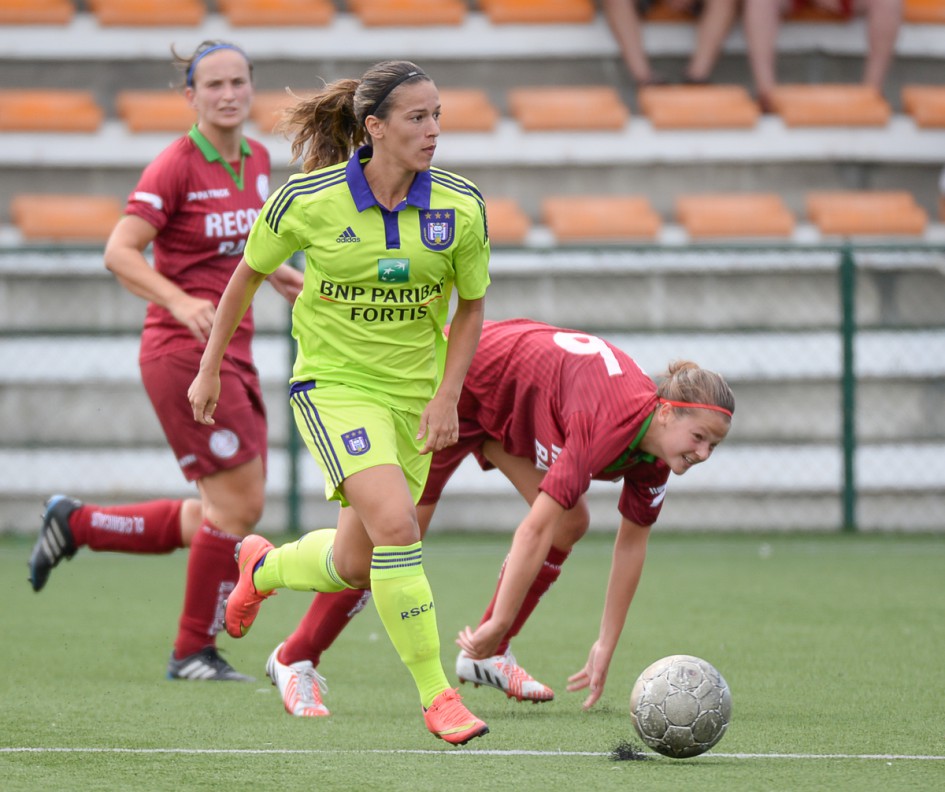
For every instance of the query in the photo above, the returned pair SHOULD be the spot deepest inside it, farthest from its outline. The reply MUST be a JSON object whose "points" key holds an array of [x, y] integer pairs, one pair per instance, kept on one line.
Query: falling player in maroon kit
{"points": [[195, 203], [553, 409]]}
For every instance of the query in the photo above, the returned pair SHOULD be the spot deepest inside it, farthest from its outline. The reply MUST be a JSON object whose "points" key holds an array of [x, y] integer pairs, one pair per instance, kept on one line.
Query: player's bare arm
{"points": [[625, 571], [204, 391], [124, 257], [287, 281], [439, 422], [530, 547]]}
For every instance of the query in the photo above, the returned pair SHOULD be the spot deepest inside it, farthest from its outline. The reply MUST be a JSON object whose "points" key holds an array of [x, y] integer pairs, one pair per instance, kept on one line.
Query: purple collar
{"points": [[418, 195]]}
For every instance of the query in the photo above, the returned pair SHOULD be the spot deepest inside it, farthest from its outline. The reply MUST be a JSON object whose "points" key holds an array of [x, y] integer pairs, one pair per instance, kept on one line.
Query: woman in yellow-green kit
{"points": [[386, 239]]}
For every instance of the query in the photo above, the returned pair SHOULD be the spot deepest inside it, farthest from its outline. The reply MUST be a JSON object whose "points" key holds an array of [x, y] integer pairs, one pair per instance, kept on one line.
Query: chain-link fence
{"points": [[836, 355]]}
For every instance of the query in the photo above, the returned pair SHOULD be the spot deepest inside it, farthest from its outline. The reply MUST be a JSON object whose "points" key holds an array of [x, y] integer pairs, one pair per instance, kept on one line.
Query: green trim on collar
{"points": [[632, 449], [211, 154]]}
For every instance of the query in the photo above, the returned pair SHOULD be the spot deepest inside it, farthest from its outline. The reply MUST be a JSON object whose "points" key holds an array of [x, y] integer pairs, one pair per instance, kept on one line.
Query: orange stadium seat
{"points": [[61, 217], [272, 13], [734, 215], [600, 218], [44, 110], [698, 107], [866, 213], [830, 105], [925, 103], [36, 12], [579, 108], [155, 111], [409, 13], [510, 12], [467, 110], [267, 108], [508, 223], [146, 13], [924, 12]]}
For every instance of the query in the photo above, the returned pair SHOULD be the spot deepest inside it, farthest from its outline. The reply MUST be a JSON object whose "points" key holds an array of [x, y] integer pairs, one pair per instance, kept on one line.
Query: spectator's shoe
{"points": [[55, 540], [243, 603], [503, 673], [300, 684], [449, 720], [205, 665]]}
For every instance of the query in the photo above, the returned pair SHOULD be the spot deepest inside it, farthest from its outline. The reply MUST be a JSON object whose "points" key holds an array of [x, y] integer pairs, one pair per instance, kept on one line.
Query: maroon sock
{"points": [[327, 616], [150, 527], [547, 575], [211, 575]]}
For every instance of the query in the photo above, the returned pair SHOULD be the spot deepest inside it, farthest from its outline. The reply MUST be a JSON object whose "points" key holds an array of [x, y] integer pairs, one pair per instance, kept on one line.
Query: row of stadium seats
{"points": [[585, 219], [370, 12], [572, 108]]}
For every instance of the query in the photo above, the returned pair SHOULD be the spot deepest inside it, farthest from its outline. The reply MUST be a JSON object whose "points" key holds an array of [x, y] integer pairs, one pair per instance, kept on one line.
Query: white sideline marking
{"points": [[473, 752]]}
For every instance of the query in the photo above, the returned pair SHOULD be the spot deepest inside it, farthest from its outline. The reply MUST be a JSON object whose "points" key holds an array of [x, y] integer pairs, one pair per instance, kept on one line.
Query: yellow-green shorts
{"points": [[347, 430]]}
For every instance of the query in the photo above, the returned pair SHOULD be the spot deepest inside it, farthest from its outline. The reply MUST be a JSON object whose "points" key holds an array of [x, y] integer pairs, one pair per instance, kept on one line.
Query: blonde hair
{"points": [[327, 128], [687, 383]]}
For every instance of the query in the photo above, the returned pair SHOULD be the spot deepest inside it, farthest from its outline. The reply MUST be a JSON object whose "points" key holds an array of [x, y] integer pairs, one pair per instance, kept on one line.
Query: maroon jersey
{"points": [[571, 402], [202, 217]]}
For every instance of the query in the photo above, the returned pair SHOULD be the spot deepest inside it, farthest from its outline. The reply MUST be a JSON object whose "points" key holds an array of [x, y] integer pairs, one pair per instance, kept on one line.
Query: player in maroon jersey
{"points": [[195, 203], [554, 409]]}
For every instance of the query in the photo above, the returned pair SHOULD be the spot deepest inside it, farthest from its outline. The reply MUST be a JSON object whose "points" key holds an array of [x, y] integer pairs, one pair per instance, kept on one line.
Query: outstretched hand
{"points": [[592, 676]]}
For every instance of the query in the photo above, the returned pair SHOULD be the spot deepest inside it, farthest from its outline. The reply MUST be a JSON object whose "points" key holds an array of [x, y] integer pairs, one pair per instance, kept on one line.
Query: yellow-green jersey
{"points": [[377, 282]]}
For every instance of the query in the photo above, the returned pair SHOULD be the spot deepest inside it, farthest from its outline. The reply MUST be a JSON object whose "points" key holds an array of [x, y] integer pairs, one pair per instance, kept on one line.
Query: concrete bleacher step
{"points": [[84, 38], [511, 161]]}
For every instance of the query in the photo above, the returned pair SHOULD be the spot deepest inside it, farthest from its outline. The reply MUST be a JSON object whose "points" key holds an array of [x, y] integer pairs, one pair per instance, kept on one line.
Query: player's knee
{"points": [[237, 515], [356, 572]]}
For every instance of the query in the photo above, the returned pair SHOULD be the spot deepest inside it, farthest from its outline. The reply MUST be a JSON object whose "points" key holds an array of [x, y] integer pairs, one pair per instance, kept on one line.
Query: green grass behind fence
{"points": [[832, 645]]}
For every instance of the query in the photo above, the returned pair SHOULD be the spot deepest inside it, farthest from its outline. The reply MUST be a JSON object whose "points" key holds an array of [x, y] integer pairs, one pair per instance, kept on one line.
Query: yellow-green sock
{"points": [[303, 565], [404, 600]]}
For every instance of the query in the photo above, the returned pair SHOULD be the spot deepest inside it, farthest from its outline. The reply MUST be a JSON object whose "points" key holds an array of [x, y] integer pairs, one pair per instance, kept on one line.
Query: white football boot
{"points": [[300, 684], [503, 673]]}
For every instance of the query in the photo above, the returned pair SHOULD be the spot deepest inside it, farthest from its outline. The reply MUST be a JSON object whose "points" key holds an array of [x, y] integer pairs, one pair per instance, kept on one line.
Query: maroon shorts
{"points": [[240, 432], [445, 462], [846, 9]]}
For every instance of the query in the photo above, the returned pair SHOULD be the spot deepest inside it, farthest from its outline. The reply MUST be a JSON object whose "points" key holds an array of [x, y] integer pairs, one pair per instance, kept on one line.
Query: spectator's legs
{"points": [[626, 28], [713, 27], [883, 18], [762, 19]]}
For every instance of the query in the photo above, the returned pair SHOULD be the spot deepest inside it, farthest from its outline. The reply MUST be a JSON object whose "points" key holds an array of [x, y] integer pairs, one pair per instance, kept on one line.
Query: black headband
{"points": [[383, 97]]}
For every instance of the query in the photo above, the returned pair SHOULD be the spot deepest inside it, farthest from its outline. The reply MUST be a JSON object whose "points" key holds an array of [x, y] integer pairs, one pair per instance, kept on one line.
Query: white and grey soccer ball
{"points": [[681, 706]]}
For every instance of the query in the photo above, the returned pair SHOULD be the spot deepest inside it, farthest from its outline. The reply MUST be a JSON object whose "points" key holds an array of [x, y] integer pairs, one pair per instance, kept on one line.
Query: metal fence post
{"points": [[848, 385]]}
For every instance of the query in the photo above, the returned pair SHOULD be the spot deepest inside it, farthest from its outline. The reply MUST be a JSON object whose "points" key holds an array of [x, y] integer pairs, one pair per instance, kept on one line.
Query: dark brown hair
{"points": [[328, 127]]}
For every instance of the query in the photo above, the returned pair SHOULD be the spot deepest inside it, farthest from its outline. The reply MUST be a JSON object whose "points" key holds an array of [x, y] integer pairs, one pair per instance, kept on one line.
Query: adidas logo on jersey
{"points": [[348, 235]]}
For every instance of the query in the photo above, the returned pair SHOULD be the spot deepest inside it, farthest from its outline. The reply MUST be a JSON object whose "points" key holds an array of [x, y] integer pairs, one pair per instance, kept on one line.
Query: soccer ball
{"points": [[680, 706]]}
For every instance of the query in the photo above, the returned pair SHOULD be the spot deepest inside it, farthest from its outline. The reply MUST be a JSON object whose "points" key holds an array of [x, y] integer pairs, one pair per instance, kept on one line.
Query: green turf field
{"points": [[833, 648]]}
